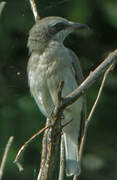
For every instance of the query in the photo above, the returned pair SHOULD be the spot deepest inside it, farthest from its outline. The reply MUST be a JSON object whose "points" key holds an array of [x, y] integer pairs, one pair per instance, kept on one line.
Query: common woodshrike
{"points": [[49, 64]]}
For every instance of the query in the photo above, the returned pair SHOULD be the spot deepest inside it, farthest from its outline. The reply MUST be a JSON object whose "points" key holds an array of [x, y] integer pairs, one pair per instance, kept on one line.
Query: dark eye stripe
{"points": [[58, 27]]}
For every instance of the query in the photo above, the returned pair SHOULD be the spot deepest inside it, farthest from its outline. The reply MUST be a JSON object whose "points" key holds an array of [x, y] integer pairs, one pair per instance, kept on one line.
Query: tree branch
{"points": [[94, 75], [91, 113], [93, 108], [56, 130], [23, 147], [5, 155], [2, 5], [52, 135], [51, 140], [34, 10], [62, 158], [99, 93]]}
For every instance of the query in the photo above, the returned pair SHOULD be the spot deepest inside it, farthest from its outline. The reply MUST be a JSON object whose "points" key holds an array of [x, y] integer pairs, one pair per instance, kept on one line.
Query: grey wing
{"points": [[77, 68], [79, 78]]}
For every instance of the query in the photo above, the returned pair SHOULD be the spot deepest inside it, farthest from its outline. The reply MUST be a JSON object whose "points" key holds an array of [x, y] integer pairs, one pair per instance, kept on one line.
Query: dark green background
{"points": [[19, 115]]}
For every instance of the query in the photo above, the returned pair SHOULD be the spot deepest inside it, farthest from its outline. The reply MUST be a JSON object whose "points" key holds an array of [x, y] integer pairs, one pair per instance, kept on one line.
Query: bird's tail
{"points": [[71, 154], [71, 133]]}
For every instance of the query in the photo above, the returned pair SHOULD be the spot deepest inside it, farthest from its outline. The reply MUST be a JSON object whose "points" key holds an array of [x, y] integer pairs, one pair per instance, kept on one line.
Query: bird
{"points": [[50, 63]]}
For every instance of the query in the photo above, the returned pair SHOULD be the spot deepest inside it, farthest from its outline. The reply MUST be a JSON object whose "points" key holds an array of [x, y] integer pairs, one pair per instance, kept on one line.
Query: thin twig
{"points": [[34, 10], [91, 113], [44, 150], [99, 93], [2, 5], [48, 164], [23, 147], [75, 177], [62, 159], [7, 148], [51, 140], [93, 109], [94, 75], [66, 124]]}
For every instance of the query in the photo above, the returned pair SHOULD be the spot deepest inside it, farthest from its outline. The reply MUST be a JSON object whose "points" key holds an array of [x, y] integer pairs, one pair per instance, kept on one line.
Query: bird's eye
{"points": [[60, 26], [54, 28]]}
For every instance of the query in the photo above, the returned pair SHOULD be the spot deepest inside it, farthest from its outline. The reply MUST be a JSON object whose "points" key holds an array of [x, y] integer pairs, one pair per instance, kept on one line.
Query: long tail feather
{"points": [[71, 154]]}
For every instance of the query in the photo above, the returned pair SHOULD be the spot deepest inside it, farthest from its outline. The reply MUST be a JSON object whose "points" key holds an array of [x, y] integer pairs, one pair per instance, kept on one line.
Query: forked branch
{"points": [[93, 76], [107, 63], [91, 113], [52, 135]]}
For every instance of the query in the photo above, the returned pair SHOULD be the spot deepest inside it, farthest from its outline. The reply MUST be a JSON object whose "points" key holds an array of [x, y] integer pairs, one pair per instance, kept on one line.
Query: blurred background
{"points": [[19, 114]]}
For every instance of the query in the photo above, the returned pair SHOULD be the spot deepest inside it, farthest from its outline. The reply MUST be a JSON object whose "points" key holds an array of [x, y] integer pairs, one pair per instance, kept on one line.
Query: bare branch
{"points": [[53, 134], [7, 148], [60, 88], [75, 177], [23, 147], [72, 97], [62, 159], [44, 151], [51, 140], [99, 93], [91, 113], [92, 110], [34, 10], [2, 5]]}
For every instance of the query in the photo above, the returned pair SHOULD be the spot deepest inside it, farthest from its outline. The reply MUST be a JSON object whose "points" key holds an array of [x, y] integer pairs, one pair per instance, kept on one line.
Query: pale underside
{"points": [[44, 77]]}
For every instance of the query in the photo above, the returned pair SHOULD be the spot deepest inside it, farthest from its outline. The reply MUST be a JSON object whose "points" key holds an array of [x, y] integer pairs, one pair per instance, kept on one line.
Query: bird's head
{"points": [[48, 29]]}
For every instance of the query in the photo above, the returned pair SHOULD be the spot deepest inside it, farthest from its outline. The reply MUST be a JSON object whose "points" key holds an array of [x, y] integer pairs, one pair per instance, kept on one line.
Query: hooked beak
{"points": [[77, 26]]}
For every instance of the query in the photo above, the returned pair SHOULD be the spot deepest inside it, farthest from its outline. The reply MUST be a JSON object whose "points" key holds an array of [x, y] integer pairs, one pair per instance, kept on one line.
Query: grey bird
{"points": [[49, 64]]}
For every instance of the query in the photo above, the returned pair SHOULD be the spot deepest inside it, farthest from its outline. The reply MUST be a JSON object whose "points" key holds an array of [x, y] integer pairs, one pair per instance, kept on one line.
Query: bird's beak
{"points": [[77, 26]]}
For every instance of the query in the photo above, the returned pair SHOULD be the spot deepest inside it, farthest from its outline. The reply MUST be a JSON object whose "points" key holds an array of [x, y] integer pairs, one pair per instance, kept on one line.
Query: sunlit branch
{"points": [[2, 5], [5, 155], [23, 147], [34, 10], [91, 113]]}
